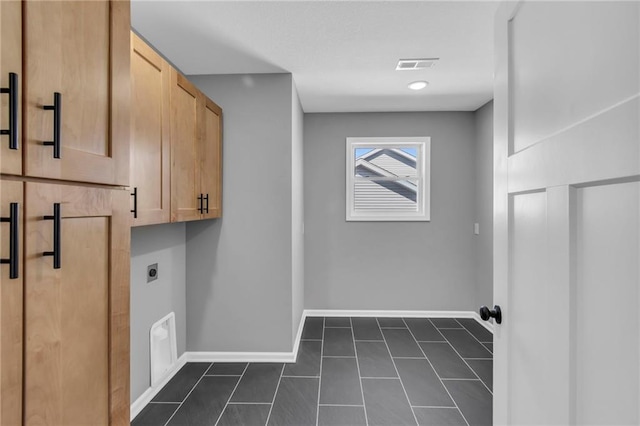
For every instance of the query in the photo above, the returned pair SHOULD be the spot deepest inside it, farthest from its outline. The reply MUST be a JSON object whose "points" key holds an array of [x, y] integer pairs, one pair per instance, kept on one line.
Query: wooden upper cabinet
{"points": [[186, 197], [76, 349], [80, 51], [11, 77], [11, 302], [150, 135], [211, 160], [196, 153]]}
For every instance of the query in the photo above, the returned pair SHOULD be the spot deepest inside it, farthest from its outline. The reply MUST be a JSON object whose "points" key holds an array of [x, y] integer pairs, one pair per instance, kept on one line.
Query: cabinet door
{"points": [[211, 160], [76, 312], [185, 142], [11, 304], [79, 49], [150, 134], [11, 97]]}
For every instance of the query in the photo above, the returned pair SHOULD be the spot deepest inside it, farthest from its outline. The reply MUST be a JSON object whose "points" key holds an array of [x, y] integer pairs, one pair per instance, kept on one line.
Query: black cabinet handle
{"points": [[12, 90], [56, 236], [496, 313], [200, 199], [206, 199], [14, 248], [134, 194], [57, 118]]}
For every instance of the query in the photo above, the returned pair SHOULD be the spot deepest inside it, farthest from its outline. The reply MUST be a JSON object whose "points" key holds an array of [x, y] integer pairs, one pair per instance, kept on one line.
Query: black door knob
{"points": [[486, 313]]}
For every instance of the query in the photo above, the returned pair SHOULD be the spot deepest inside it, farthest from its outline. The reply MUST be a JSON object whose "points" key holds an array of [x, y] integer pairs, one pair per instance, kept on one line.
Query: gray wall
{"points": [[390, 265], [484, 205], [239, 267], [164, 245], [297, 210]]}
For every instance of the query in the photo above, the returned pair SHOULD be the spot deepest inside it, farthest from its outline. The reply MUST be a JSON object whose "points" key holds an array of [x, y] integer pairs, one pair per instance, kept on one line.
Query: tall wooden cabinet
{"points": [[64, 241], [76, 306], [11, 77], [11, 301], [150, 135], [77, 93]]}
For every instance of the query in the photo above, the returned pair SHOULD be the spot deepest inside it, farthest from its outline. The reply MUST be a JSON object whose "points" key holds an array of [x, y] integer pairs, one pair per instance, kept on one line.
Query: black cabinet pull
{"points": [[206, 199], [200, 199], [57, 118], [12, 131], [56, 236], [134, 194], [14, 248], [496, 313]]}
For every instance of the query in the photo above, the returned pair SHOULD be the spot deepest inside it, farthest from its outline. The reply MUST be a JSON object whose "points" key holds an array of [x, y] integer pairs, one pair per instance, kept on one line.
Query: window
{"points": [[388, 179]]}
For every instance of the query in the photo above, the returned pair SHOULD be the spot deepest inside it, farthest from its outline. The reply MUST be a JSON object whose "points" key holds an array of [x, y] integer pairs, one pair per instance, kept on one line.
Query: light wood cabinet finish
{"points": [[81, 50], [150, 134], [196, 153], [11, 303], [211, 160], [10, 62], [185, 148], [76, 317]]}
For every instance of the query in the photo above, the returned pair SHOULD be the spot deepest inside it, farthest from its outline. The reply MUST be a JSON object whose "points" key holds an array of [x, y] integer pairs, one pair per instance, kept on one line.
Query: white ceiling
{"points": [[342, 54]]}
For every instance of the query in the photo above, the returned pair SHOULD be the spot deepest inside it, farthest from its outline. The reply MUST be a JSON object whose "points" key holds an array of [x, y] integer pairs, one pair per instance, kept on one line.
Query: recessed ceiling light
{"points": [[418, 85], [415, 64]]}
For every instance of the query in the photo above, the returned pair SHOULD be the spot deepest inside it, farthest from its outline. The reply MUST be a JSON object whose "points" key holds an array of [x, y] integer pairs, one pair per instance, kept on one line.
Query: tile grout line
{"points": [[433, 406], [320, 373], [341, 405], [247, 403], [300, 377], [465, 361], [185, 398], [473, 335], [355, 351], [273, 401], [337, 356], [231, 394], [381, 378], [436, 372], [223, 375], [395, 367]]}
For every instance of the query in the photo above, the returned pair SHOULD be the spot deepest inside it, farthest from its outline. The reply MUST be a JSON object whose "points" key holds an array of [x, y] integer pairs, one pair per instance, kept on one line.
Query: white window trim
{"points": [[423, 174]]}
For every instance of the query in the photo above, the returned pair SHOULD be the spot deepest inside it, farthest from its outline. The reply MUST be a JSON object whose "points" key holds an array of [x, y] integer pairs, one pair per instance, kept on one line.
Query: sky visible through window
{"points": [[364, 151]]}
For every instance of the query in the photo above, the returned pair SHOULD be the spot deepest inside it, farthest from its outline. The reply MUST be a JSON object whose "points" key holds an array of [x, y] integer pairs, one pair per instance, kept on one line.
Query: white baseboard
{"points": [[486, 324], [251, 356], [151, 392], [148, 395], [240, 357], [406, 314], [385, 313]]}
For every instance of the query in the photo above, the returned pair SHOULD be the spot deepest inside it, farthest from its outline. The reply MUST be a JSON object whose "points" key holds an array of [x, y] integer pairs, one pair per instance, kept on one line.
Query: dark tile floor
{"points": [[350, 371]]}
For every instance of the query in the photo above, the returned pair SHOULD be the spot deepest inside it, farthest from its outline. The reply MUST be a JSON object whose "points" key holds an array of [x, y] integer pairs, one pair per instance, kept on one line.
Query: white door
{"points": [[567, 213]]}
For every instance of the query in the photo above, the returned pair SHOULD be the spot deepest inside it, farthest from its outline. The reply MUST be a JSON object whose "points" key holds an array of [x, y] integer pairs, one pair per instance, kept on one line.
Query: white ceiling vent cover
{"points": [[416, 64]]}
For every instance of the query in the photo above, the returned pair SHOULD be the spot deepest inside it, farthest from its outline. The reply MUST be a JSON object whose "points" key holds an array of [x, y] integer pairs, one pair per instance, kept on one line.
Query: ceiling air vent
{"points": [[415, 64]]}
